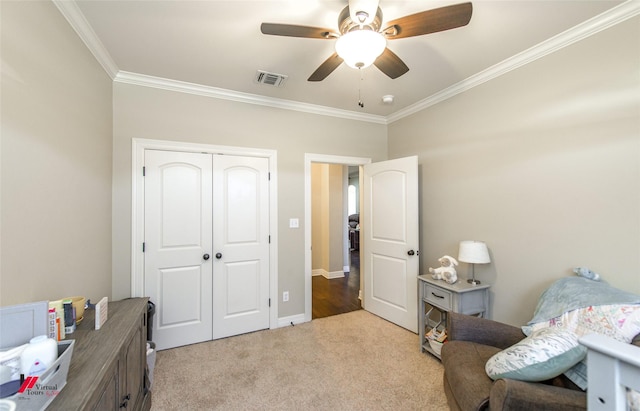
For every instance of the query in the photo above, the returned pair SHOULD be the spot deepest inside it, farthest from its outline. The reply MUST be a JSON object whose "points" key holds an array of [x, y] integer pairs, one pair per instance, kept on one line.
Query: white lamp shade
{"points": [[360, 48], [475, 252]]}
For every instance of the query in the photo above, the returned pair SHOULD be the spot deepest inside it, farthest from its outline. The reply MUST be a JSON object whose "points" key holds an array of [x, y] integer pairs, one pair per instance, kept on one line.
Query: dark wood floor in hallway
{"points": [[338, 295]]}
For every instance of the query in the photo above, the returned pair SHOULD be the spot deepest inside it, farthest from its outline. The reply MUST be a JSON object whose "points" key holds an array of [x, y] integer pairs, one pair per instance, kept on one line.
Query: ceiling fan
{"points": [[361, 37]]}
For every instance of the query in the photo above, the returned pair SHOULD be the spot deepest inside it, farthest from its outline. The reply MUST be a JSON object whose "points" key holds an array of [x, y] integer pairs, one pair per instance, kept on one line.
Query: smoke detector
{"points": [[388, 99]]}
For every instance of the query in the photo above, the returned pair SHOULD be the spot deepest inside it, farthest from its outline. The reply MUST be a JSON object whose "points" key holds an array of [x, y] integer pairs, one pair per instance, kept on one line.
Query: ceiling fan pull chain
{"points": [[360, 103]]}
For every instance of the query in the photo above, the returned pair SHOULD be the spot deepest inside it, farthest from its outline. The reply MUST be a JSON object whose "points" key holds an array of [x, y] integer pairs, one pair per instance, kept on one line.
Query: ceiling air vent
{"points": [[270, 79]]}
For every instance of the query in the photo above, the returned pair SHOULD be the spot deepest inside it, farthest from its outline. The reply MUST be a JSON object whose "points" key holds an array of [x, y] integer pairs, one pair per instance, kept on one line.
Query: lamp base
{"points": [[473, 281]]}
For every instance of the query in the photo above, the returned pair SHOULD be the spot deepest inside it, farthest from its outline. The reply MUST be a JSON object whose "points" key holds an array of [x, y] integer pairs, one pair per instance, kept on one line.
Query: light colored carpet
{"points": [[353, 361]]}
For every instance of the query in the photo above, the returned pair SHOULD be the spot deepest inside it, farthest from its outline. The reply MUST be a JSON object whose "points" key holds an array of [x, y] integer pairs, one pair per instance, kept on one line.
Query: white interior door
{"points": [[178, 220], [241, 245], [206, 259], [390, 240]]}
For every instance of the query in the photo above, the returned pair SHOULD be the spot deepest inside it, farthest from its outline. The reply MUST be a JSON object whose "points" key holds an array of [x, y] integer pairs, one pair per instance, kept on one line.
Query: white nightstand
{"points": [[437, 298]]}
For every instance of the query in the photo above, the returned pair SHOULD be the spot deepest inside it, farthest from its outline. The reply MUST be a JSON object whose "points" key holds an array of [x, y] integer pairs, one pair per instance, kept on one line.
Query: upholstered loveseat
{"points": [[473, 341]]}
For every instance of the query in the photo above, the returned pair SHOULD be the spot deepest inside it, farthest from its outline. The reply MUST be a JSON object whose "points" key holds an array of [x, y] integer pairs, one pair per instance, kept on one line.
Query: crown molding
{"points": [[79, 23], [224, 94], [609, 18], [75, 17]]}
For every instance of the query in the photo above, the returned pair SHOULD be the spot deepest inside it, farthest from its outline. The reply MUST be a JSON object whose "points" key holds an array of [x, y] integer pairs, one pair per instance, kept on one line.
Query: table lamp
{"points": [[473, 252]]}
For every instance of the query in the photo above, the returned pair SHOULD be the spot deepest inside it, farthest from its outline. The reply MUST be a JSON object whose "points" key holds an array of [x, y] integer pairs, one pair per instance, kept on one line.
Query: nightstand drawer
{"points": [[438, 296]]}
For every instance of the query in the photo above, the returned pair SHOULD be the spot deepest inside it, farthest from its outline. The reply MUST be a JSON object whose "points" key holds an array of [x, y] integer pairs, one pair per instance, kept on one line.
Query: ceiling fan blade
{"points": [[326, 68], [292, 30], [430, 21], [390, 64]]}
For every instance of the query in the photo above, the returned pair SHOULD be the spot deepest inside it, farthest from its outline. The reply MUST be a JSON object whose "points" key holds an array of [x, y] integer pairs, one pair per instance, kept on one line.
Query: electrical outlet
{"points": [[285, 296]]}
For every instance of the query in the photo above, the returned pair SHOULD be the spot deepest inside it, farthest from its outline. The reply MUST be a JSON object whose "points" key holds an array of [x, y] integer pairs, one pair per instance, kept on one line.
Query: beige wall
{"points": [[56, 160], [328, 220], [141, 112], [543, 164], [319, 217], [337, 219]]}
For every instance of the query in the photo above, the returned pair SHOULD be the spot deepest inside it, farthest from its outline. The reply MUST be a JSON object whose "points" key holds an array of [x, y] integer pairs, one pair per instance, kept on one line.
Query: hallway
{"points": [[338, 295]]}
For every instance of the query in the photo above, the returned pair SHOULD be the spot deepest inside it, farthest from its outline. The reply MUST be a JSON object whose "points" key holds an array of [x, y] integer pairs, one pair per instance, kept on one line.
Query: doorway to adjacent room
{"points": [[389, 240], [335, 239], [336, 288]]}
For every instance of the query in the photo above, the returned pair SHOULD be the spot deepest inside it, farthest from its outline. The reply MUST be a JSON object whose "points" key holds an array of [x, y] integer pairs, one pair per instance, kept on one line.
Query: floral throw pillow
{"points": [[545, 354]]}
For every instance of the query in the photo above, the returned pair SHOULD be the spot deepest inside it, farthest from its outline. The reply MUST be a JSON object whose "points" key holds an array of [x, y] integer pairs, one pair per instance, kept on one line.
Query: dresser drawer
{"points": [[438, 297]]}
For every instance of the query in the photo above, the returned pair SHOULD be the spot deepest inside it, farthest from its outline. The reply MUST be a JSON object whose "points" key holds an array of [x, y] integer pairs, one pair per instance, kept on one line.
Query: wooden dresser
{"points": [[107, 370]]}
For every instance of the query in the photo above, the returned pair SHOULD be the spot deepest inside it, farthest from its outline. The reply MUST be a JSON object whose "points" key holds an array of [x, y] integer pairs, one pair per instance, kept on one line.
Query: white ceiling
{"points": [[218, 44]]}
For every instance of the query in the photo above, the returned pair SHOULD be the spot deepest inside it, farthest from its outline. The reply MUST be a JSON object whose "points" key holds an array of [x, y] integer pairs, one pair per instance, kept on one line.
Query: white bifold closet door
{"points": [[206, 240]]}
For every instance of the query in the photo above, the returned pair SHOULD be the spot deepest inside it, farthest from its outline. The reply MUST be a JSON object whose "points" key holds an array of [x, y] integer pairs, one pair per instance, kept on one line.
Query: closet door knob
{"points": [[218, 256], [411, 252], [206, 257]]}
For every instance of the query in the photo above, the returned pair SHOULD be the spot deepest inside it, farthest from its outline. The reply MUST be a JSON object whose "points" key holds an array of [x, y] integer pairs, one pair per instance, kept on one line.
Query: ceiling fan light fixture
{"points": [[360, 48], [361, 38]]}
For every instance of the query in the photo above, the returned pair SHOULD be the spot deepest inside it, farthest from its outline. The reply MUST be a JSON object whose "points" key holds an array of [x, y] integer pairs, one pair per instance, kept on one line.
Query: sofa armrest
{"points": [[482, 331], [515, 395]]}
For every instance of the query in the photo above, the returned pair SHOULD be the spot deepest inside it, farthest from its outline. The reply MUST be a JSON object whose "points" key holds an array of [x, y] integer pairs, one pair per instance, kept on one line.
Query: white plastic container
{"points": [[11, 359], [55, 376], [38, 355]]}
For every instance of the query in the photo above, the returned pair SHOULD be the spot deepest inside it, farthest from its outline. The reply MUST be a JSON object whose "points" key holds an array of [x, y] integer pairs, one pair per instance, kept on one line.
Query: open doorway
{"points": [[356, 162], [389, 240], [335, 230]]}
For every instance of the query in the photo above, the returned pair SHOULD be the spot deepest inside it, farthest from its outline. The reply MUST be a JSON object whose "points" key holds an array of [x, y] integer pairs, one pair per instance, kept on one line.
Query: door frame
{"points": [[325, 159], [138, 146]]}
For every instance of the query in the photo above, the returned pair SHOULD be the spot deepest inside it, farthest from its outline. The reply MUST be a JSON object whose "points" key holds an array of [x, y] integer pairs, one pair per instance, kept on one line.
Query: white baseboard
{"points": [[291, 320], [326, 274], [346, 269], [335, 274]]}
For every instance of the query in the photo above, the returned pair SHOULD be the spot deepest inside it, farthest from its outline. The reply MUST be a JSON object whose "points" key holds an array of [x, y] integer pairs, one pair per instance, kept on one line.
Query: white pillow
{"points": [[545, 354]]}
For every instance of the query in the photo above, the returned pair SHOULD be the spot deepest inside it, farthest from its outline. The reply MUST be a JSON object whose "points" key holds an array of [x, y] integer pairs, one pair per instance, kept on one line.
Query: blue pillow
{"points": [[545, 354]]}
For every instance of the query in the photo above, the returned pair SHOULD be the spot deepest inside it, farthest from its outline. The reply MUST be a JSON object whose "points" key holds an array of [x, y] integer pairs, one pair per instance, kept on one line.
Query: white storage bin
{"points": [[46, 387]]}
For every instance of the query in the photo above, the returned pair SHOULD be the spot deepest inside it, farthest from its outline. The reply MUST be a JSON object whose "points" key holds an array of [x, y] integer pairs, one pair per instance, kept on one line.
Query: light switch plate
{"points": [[294, 223]]}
